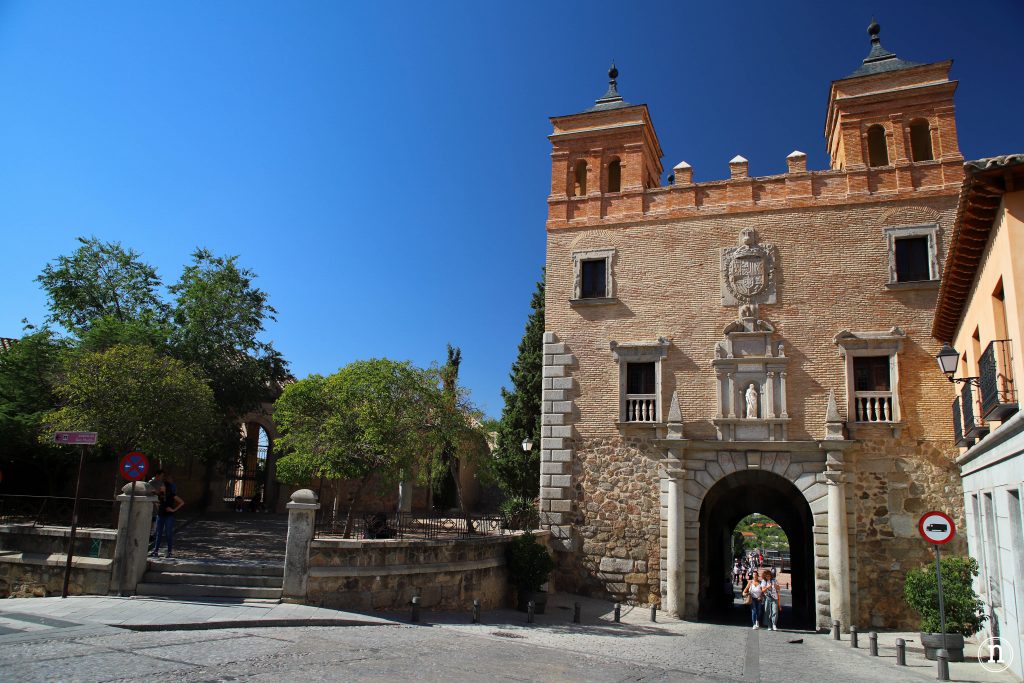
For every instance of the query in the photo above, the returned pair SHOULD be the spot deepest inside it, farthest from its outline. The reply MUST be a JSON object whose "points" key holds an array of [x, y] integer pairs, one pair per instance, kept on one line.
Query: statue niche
{"points": [[751, 381]]}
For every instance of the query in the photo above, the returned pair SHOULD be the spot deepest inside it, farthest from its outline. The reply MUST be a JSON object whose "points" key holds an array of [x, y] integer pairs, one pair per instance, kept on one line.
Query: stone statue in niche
{"points": [[751, 397]]}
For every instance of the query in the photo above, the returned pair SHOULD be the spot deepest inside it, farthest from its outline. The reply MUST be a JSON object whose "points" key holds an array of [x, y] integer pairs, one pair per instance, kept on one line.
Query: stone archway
{"points": [[728, 501]]}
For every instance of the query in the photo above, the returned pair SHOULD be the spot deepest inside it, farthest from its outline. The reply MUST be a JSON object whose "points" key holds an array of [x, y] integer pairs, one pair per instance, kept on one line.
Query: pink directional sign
{"points": [[75, 438]]}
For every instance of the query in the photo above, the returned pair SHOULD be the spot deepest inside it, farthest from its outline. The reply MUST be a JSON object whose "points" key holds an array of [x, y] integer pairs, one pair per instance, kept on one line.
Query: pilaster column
{"points": [[301, 525], [675, 598], [769, 396], [718, 387], [782, 394], [732, 393], [838, 543]]}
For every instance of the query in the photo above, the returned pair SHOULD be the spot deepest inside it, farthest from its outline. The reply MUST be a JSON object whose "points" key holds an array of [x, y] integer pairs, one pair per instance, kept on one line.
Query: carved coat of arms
{"points": [[748, 271]]}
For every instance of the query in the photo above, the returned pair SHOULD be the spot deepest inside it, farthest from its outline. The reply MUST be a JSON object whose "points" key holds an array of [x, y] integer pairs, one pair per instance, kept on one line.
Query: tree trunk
{"points": [[352, 498]]}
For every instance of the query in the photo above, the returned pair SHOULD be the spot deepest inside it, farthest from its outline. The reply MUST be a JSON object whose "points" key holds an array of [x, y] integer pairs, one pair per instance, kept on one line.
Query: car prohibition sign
{"points": [[936, 527]]}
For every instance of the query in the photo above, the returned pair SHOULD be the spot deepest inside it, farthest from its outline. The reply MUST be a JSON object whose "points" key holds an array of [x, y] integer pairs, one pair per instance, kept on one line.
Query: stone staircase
{"points": [[199, 579]]}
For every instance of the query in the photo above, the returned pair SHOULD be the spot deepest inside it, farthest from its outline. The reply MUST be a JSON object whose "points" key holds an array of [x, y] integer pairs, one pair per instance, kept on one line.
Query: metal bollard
{"points": [[853, 636], [901, 652], [575, 612], [943, 660], [654, 612], [415, 609], [476, 611], [835, 630], [618, 612], [873, 644], [530, 606]]}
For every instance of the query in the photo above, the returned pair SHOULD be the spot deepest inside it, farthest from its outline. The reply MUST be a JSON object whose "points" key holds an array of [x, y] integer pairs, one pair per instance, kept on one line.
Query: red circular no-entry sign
{"points": [[134, 466], [936, 527]]}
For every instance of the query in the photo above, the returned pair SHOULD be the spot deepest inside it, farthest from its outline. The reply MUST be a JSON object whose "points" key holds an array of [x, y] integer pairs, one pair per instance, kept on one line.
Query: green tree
{"points": [[101, 280], [135, 399], [374, 418], [518, 472], [29, 371]]}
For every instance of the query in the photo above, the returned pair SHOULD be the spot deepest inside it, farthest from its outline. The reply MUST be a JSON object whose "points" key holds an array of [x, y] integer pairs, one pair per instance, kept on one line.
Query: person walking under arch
{"points": [[753, 595], [772, 599]]}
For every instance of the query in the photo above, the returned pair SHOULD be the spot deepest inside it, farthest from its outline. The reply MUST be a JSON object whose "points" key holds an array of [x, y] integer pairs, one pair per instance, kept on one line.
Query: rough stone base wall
{"points": [[618, 521], [42, 576], [386, 574], [893, 482]]}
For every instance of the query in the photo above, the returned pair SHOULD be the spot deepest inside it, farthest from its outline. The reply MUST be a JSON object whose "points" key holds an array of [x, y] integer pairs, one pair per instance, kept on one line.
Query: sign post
{"points": [[938, 529], [83, 440], [132, 467]]}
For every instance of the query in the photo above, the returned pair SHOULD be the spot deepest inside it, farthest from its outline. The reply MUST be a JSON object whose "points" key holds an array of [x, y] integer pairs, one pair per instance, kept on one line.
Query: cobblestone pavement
{"points": [[232, 537], [446, 648]]}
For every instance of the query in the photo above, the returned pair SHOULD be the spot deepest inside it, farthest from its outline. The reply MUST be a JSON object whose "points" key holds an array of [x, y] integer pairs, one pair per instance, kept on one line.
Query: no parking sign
{"points": [[134, 466]]}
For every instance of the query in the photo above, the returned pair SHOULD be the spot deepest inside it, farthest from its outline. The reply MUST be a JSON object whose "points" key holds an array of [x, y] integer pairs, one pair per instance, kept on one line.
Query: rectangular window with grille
{"points": [[640, 378], [593, 284], [871, 373], [912, 259]]}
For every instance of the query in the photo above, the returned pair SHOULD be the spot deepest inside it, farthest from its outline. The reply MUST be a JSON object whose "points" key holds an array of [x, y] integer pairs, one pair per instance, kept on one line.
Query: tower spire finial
{"points": [[873, 30], [612, 96]]}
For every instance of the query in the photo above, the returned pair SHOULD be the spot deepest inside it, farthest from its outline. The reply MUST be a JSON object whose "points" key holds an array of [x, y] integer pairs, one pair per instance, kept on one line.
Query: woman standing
{"points": [[754, 593], [772, 597]]}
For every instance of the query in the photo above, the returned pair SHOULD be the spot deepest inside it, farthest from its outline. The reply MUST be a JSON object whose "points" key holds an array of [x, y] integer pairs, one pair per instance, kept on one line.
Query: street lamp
{"points": [[948, 359], [527, 444]]}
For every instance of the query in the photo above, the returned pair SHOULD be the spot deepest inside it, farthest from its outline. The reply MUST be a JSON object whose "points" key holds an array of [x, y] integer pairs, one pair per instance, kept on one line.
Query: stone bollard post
{"points": [[654, 612], [301, 526], [853, 637], [901, 652], [476, 611], [618, 613], [575, 612], [943, 664], [530, 607], [415, 616], [131, 548], [835, 629], [873, 644]]}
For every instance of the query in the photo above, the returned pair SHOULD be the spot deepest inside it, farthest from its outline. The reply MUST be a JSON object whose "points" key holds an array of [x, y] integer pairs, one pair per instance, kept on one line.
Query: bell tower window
{"points": [[580, 179], [920, 140], [878, 152], [615, 176]]}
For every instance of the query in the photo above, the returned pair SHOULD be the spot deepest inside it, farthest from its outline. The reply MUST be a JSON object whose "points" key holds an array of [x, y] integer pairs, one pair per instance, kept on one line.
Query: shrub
{"points": [[529, 563], [964, 610], [520, 513]]}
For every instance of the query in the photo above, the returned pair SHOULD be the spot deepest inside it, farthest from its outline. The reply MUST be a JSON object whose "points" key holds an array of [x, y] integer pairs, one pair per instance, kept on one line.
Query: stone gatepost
{"points": [[301, 525], [132, 546]]}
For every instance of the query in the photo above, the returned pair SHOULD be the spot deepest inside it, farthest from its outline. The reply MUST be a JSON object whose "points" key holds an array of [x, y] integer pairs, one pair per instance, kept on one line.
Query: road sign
{"points": [[75, 438], [936, 527], [134, 466]]}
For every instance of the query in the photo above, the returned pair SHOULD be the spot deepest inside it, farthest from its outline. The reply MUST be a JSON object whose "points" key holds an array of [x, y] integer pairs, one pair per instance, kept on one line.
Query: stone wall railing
{"points": [[33, 559]]}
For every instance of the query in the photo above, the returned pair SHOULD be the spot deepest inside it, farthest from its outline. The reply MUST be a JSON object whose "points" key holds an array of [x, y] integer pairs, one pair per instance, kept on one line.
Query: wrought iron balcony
{"points": [[973, 426], [958, 428], [641, 408], [998, 394]]}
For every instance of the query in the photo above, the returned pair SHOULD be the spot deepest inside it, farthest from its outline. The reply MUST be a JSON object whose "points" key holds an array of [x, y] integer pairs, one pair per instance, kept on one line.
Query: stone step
{"points": [[192, 590], [200, 567], [213, 579]]}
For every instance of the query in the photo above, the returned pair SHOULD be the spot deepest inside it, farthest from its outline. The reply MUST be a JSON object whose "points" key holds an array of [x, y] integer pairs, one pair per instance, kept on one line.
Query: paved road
{"points": [[444, 649]]}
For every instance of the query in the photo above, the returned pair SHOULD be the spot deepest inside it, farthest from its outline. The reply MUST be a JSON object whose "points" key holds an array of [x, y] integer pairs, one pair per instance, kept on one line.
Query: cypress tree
{"points": [[518, 472]]}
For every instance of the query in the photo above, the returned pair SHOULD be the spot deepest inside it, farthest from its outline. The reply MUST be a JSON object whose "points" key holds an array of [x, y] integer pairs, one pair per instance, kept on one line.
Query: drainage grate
{"points": [[507, 634]]}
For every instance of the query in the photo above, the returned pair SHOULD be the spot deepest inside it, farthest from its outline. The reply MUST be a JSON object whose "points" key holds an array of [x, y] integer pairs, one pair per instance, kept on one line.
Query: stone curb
{"points": [[250, 623]]}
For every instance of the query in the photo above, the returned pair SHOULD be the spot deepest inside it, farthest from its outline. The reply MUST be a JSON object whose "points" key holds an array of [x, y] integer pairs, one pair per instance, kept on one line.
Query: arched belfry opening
{"points": [[727, 502]]}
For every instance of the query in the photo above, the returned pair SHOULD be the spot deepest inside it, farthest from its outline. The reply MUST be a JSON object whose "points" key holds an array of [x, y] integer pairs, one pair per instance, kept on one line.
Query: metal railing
{"points": [[410, 525], [873, 406], [958, 428], [641, 408], [974, 426], [998, 395], [93, 513]]}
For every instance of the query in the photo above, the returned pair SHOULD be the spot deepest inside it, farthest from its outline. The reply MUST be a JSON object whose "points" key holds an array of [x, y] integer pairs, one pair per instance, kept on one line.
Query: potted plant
{"points": [[529, 566], [964, 610]]}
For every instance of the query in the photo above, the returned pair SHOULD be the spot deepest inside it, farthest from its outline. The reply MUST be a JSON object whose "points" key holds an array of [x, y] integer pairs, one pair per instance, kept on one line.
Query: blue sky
{"points": [[384, 166]]}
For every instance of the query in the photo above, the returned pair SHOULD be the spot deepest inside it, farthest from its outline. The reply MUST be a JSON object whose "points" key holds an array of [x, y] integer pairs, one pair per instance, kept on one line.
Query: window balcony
{"points": [[958, 428], [998, 394], [974, 427], [641, 408], [873, 406]]}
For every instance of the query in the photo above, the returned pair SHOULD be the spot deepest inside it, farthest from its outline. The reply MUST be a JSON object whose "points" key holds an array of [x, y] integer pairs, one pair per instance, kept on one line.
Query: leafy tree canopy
{"points": [[28, 371], [135, 398], [101, 280]]}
